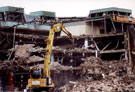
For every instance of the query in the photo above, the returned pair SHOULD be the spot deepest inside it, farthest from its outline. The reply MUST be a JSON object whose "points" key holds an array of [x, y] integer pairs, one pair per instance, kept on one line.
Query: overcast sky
{"points": [[64, 8]]}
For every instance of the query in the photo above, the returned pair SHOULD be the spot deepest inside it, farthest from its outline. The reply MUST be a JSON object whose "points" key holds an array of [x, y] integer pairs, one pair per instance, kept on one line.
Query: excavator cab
{"points": [[41, 81], [36, 74]]}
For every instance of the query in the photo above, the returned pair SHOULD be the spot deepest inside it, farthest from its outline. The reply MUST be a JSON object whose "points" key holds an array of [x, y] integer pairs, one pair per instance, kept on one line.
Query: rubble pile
{"points": [[105, 76], [92, 74], [24, 53], [57, 67]]}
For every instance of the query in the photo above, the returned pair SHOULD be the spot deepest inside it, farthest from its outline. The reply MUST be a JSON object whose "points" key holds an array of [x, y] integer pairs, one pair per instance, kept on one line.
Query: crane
{"points": [[42, 81]]}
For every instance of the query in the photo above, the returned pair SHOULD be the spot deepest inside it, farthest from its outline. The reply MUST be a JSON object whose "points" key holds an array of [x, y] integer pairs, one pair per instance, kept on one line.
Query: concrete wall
{"points": [[93, 31], [82, 28]]}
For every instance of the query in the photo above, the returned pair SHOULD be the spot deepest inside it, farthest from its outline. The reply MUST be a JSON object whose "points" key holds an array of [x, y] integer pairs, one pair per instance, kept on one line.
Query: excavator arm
{"points": [[56, 28]]}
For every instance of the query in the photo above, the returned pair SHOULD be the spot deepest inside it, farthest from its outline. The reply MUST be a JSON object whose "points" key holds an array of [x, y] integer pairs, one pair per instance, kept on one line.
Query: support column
{"points": [[52, 58], [86, 43], [105, 25], [96, 54], [126, 45], [122, 27], [126, 55], [92, 25]]}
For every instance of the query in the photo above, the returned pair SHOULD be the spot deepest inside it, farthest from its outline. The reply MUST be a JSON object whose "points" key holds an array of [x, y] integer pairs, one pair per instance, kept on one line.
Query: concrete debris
{"points": [[36, 66], [24, 53], [54, 66], [105, 76], [92, 75], [34, 59], [57, 66], [83, 50]]}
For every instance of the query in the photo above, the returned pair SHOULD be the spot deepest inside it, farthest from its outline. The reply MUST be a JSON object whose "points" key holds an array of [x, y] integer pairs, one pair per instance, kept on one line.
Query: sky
{"points": [[69, 8]]}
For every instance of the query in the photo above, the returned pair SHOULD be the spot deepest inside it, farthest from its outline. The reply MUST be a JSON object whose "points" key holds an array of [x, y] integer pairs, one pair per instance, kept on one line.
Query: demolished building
{"points": [[104, 33]]}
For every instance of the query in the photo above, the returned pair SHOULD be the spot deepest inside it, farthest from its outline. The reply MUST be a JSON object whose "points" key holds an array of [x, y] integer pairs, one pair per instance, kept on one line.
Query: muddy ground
{"points": [[92, 75]]}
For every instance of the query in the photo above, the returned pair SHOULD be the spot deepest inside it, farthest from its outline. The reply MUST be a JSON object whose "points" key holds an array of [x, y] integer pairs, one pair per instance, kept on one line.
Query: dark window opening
{"points": [[102, 31], [112, 56]]}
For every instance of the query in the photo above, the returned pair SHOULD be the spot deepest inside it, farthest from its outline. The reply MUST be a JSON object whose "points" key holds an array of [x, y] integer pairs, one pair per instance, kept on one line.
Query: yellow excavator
{"points": [[41, 81]]}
